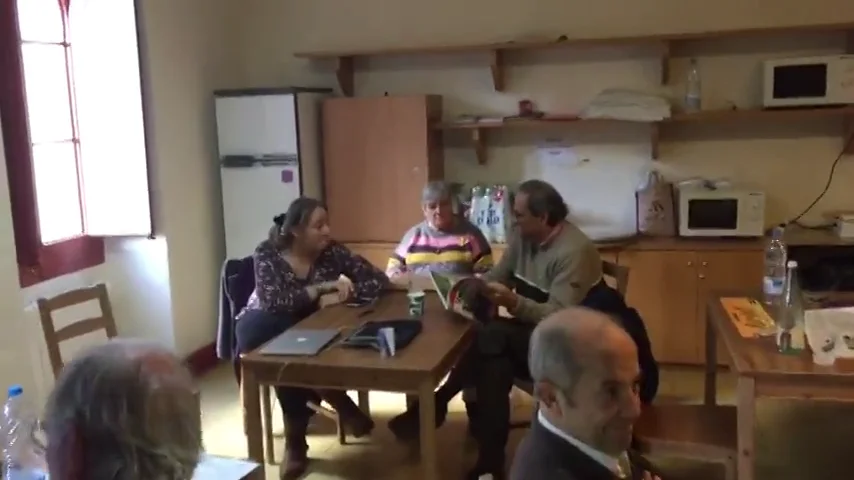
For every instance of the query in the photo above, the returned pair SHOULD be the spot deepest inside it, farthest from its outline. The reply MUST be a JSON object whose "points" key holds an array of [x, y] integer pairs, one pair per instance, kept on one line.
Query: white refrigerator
{"points": [[269, 154]]}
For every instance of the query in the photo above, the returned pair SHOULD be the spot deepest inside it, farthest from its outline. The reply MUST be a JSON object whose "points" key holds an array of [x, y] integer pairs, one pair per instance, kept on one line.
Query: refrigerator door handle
{"points": [[237, 161], [245, 161], [288, 159]]}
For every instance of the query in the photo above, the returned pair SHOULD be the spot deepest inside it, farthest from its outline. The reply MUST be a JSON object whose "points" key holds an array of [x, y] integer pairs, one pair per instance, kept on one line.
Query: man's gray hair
{"points": [[553, 357], [561, 346], [436, 191], [132, 406]]}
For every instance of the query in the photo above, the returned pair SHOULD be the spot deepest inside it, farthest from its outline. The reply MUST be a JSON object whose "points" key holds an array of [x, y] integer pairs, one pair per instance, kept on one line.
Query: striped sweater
{"points": [[463, 250]]}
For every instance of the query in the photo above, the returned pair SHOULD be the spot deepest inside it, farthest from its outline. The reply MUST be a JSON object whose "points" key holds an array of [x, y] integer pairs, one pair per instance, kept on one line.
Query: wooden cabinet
{"points": [[376, 253], [663, 288], [736, 271], [378, 153], [670, 289]]}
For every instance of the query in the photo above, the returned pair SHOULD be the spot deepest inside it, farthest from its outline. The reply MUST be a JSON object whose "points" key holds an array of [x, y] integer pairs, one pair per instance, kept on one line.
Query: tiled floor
{"points": [[796, 441]]}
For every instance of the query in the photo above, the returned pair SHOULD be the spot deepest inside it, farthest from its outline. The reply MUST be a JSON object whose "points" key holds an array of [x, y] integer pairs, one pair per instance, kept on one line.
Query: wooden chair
{"points": [[618, 277], [54, 337], [694, 432], [267, 418]]}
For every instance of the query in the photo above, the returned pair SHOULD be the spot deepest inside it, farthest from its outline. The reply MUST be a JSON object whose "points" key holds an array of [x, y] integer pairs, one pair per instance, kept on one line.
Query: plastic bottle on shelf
{"points": [[693, 88], [479, 213]]}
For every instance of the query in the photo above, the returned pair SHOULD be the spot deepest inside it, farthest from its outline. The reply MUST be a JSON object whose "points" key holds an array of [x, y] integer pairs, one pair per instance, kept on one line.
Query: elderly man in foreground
{"points": [[586, 374], [124, 410]]}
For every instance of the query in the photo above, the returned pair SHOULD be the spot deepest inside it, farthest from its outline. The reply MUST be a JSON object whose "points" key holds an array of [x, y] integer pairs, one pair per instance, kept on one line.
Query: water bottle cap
{"points": [[15, 390], [792, 264]]}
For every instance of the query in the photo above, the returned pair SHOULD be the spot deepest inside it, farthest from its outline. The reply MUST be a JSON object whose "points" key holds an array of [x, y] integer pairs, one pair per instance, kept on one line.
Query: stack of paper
{"points": [[832, 330], [213, 467]]}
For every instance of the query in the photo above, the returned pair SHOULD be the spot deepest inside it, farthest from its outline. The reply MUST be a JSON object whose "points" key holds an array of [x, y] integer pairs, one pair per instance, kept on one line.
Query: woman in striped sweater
{"points": [[444, 242]]}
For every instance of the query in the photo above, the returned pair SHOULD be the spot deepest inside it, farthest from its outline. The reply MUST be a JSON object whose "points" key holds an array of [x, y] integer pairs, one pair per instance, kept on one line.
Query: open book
{"points": [[448, 288]]}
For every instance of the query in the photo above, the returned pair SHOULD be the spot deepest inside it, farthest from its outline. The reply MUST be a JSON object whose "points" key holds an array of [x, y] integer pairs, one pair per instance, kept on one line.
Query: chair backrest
{"points": [[620, 274], [240, 282], [53, 337]]}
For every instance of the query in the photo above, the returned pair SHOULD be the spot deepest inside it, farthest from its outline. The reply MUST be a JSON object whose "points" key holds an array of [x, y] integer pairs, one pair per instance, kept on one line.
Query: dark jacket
{"points": [[605, 299], [237, 281], [542, 455]]}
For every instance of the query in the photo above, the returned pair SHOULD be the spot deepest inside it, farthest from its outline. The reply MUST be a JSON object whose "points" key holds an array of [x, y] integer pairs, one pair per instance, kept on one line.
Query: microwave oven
{"points": [[808, 81], [721, 212]]}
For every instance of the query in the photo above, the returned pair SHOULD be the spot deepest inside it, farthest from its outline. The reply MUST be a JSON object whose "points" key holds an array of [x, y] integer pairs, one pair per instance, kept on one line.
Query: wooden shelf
{"points": [[495, 51], [478, 130], [760, 115]]}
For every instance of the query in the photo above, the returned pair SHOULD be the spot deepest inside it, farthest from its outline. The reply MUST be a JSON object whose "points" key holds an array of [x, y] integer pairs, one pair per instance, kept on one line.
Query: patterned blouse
{"points": [[280, 291]]}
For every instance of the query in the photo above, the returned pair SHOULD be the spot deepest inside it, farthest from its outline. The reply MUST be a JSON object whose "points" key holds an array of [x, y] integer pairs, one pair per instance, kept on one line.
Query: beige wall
{"points": [[163, 289], [790, 161]]}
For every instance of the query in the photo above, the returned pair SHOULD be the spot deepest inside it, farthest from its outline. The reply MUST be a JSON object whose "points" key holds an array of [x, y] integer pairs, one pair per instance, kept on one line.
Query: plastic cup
{"points": [[416, 304]]}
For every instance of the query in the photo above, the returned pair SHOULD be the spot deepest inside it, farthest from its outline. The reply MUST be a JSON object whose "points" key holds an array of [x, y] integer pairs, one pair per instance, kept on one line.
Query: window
{"points": [[74, 138]]}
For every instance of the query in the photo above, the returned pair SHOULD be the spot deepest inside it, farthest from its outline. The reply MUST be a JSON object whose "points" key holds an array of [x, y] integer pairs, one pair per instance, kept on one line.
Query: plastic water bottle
{"points": [[692, 92], [480, 210], [791, 328], [22, 458], [774, 281]]}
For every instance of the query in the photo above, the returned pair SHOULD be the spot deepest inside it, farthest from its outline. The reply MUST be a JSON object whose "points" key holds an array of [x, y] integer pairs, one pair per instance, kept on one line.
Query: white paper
{"points": [[831, 326], [214, 467], [557, 155], [578, 175]]}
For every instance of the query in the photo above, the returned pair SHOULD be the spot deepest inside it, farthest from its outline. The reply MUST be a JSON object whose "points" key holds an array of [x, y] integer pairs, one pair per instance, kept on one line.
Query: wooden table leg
{"points": [[364, 401], [746, 405], [711, 388], [427, 411], [252, 416]]}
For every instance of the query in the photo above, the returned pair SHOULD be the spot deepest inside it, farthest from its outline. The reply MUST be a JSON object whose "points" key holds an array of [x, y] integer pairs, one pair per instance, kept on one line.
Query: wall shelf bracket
{"points": [[478, 140], [665, 62], [654, 139], [345, 73], [496, 67]]}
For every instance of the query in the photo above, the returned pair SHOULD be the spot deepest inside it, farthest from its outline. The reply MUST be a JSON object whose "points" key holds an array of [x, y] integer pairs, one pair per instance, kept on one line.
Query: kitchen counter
{"points": [[796, 236], [676, 243]]}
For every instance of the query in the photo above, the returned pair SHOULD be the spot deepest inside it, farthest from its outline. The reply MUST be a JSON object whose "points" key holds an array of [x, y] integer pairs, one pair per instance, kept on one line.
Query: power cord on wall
{"points": [[796, 220]]}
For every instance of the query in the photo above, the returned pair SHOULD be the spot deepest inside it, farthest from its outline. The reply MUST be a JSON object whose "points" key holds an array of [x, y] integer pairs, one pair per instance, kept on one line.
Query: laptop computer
{"points": [[300, 342]]}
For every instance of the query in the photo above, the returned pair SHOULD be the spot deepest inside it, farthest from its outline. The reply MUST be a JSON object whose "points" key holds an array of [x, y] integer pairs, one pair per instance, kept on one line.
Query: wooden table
{"points": [[415, 370], [763, 372]]}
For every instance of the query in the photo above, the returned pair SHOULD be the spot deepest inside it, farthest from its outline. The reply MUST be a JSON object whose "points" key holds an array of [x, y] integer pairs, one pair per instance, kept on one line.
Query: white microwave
{"points": [[808, 81], [721, 212]]}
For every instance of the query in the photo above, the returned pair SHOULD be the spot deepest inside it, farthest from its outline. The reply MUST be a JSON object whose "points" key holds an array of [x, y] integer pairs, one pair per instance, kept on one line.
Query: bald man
{"points": [[123, 410], [586, 376]]}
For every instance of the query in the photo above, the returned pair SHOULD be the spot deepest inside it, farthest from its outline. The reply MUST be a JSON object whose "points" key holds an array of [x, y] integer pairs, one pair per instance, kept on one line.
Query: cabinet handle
{"points": [[690, 263], [705, 264], [702, 276]]}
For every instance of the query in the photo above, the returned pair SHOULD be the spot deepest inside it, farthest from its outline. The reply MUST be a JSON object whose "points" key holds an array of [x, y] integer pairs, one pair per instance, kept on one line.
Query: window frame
{"points": [[37, 262]]}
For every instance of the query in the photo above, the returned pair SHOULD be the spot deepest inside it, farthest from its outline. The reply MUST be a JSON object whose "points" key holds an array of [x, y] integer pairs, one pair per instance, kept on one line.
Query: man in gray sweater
{"points": [[549, 265]]}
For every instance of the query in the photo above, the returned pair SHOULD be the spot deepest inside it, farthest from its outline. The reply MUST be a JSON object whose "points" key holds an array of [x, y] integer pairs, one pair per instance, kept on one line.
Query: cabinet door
{"points": [[730, 270], [663, 288], [376, 253], [378, 155], [348, 143]]}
